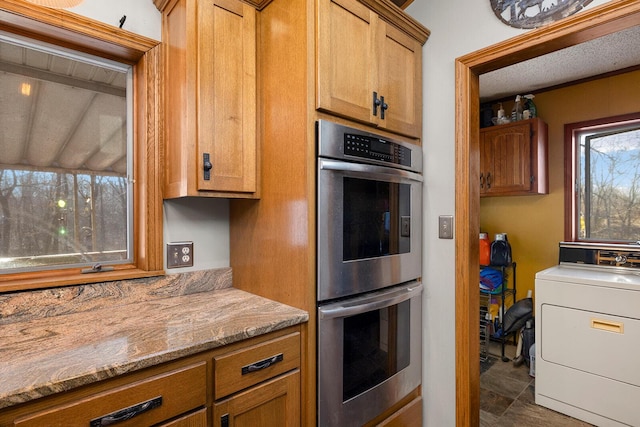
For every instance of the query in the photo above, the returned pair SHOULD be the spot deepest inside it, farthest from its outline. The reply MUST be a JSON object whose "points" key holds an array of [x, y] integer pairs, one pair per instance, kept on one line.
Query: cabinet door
{"points": [[400, 81], [506, 159], [226, 99], [273, 403], [347, 69], [362, 59]]}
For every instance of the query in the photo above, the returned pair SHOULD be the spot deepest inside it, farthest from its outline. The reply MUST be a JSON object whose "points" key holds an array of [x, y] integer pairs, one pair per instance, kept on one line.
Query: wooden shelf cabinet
{"points": [[195, 391], [375, 78], [210, 98], [513, 159]]}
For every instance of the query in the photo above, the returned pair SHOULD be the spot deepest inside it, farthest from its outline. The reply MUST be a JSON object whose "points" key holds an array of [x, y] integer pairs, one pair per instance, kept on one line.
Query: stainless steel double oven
{"points": [[369, 210]]}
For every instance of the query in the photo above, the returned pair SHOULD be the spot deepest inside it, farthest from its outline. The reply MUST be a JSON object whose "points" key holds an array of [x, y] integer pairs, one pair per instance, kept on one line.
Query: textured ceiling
{"points": [[606, 54]]}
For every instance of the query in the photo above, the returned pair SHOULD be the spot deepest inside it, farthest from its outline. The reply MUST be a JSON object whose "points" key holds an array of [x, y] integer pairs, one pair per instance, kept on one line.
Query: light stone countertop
{"points": [[42, 354]]}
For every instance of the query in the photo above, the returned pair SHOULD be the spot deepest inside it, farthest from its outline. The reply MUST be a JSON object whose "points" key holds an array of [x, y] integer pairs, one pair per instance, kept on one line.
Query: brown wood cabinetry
{"points": [[513, 159], [274, 403], [210, 98], [375, 77], [409, 415], [148, 401], [303, 46], [253, 380]]}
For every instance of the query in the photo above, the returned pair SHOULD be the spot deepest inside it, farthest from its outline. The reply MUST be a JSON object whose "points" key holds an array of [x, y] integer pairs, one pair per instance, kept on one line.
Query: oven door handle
{"points": [[372, 171], [367, 303]]}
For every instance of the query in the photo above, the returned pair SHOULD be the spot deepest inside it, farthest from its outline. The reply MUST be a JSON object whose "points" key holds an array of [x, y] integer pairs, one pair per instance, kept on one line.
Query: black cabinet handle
{"points": [[207, 166], [126, 413], [489, 180], [263, 364], [383, 107], [481, 180], [376, 103], [379, 102]]}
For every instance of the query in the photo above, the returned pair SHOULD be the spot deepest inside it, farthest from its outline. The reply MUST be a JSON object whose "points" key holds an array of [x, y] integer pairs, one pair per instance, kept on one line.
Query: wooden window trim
{"points": [[76, 32]]}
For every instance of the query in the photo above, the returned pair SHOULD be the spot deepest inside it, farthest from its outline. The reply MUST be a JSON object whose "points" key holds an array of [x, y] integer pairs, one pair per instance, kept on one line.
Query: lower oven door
{"points": [[369, 227], [369, 354]]}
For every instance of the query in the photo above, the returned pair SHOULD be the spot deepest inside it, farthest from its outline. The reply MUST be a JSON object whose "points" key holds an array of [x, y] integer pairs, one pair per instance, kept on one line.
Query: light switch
{"points": [[445, 226]]}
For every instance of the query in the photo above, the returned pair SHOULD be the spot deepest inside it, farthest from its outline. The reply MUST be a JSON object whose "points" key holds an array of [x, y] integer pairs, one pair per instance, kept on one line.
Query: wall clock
{"points": [[535, 13]]}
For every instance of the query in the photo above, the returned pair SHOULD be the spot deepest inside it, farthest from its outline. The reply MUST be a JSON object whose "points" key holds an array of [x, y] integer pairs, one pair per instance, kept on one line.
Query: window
{"points": [[603, 186], [79, 156], [64, 172]]}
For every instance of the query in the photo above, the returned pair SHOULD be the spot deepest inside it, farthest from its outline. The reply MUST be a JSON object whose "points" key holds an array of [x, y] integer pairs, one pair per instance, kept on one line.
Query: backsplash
{"points": [[22, 306]]}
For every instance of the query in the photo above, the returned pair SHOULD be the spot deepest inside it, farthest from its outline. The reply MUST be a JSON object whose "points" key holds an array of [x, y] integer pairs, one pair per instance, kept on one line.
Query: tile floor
{"points": [[507, 396]]}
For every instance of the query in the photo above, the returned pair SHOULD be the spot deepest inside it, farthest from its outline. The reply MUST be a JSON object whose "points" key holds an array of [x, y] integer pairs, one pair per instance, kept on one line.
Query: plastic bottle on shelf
{"points": [[530, 106], [500, 251], [485, 249], [516, 112]]}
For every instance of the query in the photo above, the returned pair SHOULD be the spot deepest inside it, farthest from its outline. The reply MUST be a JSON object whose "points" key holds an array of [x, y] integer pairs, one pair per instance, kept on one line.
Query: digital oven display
{"points": [[376, 149], [381, 147]]}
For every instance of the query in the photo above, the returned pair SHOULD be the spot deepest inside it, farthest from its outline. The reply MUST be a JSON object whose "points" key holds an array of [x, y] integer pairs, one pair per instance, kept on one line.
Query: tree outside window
{"points": [[604, 186]]}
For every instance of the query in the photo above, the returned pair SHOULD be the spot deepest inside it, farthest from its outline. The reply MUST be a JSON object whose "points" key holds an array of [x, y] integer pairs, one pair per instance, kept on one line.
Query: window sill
{"points": [[51, 279]]}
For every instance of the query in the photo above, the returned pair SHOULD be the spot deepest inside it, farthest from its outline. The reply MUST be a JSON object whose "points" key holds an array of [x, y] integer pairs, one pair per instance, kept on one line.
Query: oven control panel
{"points": [[368, 147]]}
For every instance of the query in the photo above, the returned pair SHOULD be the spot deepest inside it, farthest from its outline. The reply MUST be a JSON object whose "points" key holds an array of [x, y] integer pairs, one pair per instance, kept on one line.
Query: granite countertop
{"points": [[56, 340]]}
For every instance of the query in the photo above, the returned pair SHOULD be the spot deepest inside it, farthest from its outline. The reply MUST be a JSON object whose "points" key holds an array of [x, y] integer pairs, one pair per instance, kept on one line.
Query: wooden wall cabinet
{"points": [[513, 159], [368, 70], [251, 382], [210, 98]]}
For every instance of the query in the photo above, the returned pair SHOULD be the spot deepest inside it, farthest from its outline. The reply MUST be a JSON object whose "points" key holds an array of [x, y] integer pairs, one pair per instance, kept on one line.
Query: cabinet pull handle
{"points": [[481, 180], [126, 413], [383, 107], [489, 180], [224, 420], [376, 103], [207, 166], [263, 364], [606, 325]]}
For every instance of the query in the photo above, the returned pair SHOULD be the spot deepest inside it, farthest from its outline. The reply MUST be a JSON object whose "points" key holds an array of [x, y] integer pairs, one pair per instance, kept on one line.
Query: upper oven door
{"points": [[369, 227]]}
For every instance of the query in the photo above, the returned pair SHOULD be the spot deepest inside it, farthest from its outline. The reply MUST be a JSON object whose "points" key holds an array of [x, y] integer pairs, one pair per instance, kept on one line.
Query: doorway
{"points": [[588, 25]]}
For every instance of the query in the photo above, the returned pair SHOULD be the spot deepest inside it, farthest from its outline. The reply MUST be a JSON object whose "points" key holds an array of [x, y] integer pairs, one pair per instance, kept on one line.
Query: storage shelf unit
{"points": [[485, 326], [507, 295]]}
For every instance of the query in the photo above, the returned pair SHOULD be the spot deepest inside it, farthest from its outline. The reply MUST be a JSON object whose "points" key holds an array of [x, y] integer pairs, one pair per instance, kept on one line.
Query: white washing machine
{"points": [[587, 315]]}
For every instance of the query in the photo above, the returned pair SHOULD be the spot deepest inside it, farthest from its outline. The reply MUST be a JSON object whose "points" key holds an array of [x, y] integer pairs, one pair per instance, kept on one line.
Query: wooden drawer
{"points": [[409, 415], [194, 419], [251, 365], [180, 390]]}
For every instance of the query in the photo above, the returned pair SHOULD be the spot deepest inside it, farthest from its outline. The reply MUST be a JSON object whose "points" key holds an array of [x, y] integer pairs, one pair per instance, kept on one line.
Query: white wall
{"points": [[142, 15], [458, 27]]}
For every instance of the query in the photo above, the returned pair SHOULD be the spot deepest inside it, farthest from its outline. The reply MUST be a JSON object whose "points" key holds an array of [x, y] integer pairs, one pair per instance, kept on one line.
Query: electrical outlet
{"points": [[179, 254]]}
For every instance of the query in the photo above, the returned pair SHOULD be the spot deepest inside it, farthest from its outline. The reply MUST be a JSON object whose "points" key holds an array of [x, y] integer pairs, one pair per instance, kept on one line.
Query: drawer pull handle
{"points": [[263, 364], [605, 325], [126, 413]]}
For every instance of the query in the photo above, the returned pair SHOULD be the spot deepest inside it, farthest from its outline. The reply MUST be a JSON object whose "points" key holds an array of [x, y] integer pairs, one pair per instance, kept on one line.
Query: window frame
{"points": [[571, 174], [72, 31]]}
